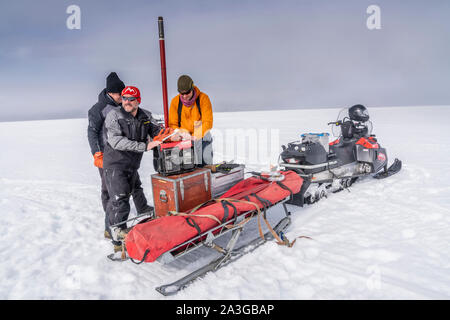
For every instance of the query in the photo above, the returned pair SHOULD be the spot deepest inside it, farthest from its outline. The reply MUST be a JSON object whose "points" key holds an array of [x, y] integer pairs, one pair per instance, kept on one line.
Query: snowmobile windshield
{"points": [[342, 116], [365, 128]]}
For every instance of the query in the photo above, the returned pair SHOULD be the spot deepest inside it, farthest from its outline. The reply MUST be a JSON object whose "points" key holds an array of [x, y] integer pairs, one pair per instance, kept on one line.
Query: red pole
{"points": [[162, 52]]}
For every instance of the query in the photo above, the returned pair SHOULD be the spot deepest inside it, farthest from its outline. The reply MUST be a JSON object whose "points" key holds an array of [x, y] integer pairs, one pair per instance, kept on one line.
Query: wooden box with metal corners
{"points": [[180, 192]]}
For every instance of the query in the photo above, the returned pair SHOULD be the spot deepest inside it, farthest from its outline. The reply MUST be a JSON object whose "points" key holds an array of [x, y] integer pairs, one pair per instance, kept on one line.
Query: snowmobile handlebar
{"points": [[338, 123]]}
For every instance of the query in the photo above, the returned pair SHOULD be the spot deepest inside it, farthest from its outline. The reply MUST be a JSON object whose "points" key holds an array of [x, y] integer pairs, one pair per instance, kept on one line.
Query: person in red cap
{"points": [[130, 131]]}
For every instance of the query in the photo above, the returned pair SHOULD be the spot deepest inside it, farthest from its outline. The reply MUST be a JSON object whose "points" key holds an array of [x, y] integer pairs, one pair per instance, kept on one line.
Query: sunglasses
{"points": [[184, 93], [129, 98]]}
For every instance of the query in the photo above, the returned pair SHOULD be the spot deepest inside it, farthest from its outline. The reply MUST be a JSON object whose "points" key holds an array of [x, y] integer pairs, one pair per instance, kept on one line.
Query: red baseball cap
{"points": [[132, 91]]}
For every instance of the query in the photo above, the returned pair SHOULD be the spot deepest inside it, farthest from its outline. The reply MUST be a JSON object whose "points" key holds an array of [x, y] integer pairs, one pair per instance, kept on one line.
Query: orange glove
{"points": [[98, 159], [163, 133]]}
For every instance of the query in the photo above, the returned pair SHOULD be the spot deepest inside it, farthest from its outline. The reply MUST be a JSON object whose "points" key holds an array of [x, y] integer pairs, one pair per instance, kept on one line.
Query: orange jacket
{"points": [[190, 115]]}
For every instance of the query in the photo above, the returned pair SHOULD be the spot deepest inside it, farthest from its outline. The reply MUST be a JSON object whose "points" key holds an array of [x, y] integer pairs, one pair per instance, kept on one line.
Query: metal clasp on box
{"points": [[206, 180]]}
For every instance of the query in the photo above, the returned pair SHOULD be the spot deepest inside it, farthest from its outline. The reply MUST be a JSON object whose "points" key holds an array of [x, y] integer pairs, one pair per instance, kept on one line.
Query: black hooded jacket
{"points": [[96, 116]]}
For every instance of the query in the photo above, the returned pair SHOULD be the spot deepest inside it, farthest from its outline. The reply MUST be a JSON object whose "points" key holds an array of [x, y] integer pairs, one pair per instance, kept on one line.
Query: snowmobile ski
{"points": [[395, 167]]}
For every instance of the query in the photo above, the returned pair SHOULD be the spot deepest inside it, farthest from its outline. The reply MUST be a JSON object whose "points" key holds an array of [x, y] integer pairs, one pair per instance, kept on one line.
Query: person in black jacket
{"points": [[108, 99], [130, 131]]}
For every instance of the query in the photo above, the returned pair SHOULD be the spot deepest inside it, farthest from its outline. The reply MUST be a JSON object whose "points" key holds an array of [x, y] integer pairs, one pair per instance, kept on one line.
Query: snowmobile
{"points": [[333, 166]]}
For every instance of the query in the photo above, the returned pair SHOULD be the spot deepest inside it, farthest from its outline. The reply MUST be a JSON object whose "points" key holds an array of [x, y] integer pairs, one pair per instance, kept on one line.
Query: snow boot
{"points": [[120, 252], [120, 234], [107, 235], [118, 248]]}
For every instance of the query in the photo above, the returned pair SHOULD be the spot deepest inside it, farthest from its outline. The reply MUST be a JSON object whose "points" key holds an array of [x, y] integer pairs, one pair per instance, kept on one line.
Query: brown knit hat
{"points": [[185, 84]]}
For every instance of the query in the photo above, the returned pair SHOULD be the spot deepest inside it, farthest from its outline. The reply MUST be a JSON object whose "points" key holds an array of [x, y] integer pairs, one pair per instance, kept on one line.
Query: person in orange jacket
{"points": [[191, 112]]}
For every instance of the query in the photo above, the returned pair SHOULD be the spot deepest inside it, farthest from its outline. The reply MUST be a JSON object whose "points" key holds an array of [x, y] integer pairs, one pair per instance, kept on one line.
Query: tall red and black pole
{"points": [[162, 52]]}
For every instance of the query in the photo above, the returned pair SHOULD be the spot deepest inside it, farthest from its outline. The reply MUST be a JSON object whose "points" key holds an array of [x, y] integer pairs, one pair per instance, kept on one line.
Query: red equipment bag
{"points": [[147, 241]]}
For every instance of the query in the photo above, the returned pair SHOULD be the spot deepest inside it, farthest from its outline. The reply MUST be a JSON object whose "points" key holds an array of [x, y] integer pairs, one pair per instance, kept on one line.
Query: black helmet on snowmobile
{"points": [[358, 113]]}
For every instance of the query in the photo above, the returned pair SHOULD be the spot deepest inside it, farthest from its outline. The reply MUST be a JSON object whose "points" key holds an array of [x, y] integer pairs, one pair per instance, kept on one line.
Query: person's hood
{"points": [[103, 97]]}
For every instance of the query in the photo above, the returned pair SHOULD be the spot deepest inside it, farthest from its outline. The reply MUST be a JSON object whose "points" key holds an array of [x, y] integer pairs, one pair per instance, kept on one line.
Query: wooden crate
{"points": [[181, 192]]}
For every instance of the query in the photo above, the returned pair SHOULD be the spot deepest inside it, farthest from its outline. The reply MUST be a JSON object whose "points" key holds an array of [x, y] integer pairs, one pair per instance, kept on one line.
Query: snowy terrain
{"points": [[385, 239]]}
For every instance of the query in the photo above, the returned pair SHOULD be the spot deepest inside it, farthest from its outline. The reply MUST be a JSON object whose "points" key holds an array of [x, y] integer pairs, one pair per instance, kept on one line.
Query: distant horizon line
{"points": [[57, 117]]}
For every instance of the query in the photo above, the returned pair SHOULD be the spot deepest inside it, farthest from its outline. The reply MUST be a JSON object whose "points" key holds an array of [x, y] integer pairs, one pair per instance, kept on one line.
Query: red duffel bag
{"points": [[147, 241]]}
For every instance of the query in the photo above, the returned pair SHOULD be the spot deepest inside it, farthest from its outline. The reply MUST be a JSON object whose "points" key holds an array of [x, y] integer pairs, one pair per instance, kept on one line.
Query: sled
{"points": [[170, 237], [228, 253]]}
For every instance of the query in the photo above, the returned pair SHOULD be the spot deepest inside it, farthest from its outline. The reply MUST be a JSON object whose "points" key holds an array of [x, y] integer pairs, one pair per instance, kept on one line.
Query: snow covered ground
{"points": [[387, 239]]}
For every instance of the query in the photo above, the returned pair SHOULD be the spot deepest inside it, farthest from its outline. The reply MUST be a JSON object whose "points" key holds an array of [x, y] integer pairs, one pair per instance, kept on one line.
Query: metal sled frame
{"points": [[228, 254]]}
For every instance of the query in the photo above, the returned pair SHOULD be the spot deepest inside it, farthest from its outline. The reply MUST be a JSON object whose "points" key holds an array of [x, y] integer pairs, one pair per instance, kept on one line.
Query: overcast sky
{"points": [[246, 55]]}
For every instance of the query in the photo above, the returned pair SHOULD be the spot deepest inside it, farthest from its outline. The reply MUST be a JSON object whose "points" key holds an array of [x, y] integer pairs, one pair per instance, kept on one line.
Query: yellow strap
{"points": [[279, 241], [292, 243], [184, 214]]}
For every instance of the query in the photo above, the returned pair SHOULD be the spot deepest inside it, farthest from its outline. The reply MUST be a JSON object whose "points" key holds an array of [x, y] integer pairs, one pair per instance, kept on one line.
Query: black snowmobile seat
{"points": [[344, 150]]}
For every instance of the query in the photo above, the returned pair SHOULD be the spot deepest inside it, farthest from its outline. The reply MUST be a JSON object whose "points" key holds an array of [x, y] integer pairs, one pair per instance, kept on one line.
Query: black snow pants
{"points": [[104, 196], [121, 185], [140, 202]]}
